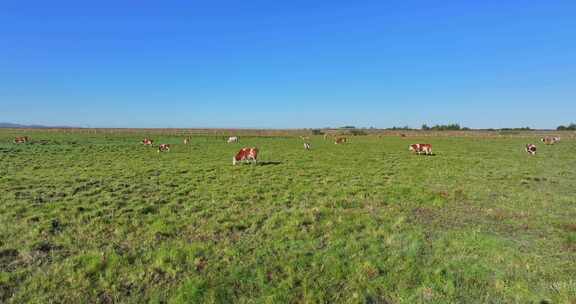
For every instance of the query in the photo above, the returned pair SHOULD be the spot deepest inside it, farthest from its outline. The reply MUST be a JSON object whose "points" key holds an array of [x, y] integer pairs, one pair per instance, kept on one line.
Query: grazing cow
{"points": [[21, 140], [340, 140], [163, 148], [186, 140], [421, 148], [307, 146], [147, 141], [232, 139], [247, 155], [531, 149]]}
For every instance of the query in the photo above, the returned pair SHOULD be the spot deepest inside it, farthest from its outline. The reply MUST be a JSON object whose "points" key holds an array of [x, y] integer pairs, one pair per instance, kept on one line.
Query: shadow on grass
{"points": [[268, 163]]}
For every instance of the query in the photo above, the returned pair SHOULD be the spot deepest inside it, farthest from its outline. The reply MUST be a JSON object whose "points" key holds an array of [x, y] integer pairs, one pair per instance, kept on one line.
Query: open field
{"points": [[95, 217]]}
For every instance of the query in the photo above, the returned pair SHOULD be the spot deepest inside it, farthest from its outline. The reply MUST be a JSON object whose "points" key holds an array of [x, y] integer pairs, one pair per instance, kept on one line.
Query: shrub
{"points": [[401, 128], [449, 127], [357, 132], [570, 127]]}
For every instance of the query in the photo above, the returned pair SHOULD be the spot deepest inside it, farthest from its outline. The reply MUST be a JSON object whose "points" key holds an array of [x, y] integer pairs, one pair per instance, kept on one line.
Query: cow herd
{"points": [[250, 154], [531, 148]]}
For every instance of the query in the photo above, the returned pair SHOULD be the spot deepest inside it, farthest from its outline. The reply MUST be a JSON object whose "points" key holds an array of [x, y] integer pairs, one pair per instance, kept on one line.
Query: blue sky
{"points": [[288, 64]]}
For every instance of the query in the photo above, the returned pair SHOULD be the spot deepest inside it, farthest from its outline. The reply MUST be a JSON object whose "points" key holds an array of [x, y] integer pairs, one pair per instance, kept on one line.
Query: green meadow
{"points": [[95, 217]]}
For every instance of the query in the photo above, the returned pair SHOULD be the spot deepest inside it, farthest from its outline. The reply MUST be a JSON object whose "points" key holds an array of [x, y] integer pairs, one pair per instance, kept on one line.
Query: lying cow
{"points": [[21, 140], [232, 139], [531, 149], [147, 141], [163, 148], [421, 148], [246, 155], [548, 140]]}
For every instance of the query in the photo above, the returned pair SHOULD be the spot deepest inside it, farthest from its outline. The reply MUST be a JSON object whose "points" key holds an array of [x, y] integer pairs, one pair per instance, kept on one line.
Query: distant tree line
{"points": [[448, 127], [516, 129], [357, 132], [400, 128], [352, 130], [570, 127]]}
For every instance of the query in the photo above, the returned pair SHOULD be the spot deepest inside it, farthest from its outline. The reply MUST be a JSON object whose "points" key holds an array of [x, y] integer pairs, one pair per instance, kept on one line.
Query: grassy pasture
{"points": [[94, 217]]}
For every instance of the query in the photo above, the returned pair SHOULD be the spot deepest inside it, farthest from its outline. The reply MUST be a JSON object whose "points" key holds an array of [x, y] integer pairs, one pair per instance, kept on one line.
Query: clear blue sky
{"points": [[288, 64]]}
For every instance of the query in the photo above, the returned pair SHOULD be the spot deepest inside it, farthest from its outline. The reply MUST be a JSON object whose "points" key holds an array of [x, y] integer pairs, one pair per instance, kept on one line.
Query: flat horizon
{"points": [[464, 128]]}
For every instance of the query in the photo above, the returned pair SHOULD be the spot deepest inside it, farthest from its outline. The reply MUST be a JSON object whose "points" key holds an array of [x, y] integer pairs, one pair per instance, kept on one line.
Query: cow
{"points": [[548, 140], [340, 140], [186, 140], [307, 146], [163, 148], [531, 149], [246, 155], [556, 139], [21, 139], [232, 139], [147, 141], [421, 148]]}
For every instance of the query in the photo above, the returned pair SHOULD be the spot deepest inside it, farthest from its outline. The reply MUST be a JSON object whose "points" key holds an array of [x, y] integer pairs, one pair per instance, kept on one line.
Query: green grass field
{"points": [[95, 217]]}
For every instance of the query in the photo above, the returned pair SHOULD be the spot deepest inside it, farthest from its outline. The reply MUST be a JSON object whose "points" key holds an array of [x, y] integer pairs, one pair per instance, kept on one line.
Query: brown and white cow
{"points": [[246, 155], [340, 140], [163, 148], [548, 140], [21, 139], [531, 149], [421, 148], [147, 141], [232, 139]]}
